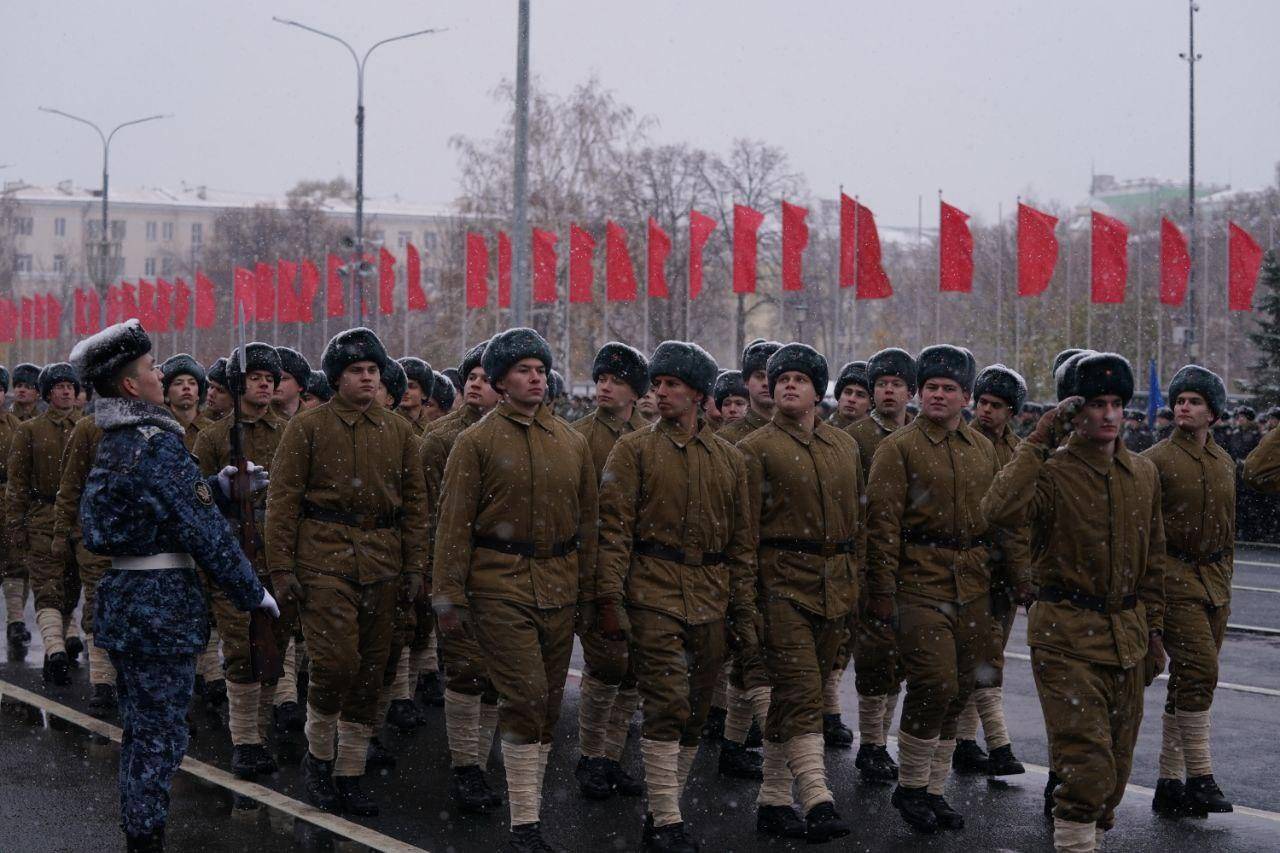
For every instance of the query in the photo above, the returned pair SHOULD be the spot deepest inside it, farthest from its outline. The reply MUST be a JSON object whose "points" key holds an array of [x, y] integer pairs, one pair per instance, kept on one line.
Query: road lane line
{"points": [[1254, 588], [1254, 629], [1164, 676], [207, 772], [1258, 563]]}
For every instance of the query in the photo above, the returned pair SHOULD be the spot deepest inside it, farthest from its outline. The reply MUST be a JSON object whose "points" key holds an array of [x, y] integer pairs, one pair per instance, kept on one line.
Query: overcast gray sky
{"points": [[982, 99]]}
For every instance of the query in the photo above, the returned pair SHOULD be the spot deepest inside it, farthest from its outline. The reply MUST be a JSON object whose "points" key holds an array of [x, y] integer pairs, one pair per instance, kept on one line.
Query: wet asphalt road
{"points": [[58, 790]]}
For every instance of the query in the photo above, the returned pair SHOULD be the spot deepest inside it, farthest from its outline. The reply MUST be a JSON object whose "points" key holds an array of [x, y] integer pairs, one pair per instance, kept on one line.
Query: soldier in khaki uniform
{"points": [[440, 402], [676, 557], [515, 555], [294, 373], [998, 394], [853, 395], [927, 557], [731, 396], [35, 468], [877, 670], [249, 702], [217, 400], [747, 688], [185, 386], [1198, 493], [13, 572], [1095, 630], [317, 393], [421, 381], [470, 702], [806, 493], [26, 391], [77, 460], [608, 697], [346, 521]]}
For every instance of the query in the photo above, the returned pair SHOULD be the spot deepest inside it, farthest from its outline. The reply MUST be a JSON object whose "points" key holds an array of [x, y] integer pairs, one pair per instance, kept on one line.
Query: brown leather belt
{"points": [[527, 549], [1085, 601], [816, 547], [938, 540], [1206, 560], [360, 520], [649, 548]]}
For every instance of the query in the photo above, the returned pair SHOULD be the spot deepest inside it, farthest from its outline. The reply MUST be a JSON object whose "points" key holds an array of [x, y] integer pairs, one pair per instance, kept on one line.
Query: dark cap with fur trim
{"points": [[1064, 375], [217, 373], [755, 357], [293, 363], [1198, 380], [1003, 382], [729, 384], [4, 378], [442, 391], [419, 371], [257, 356], [625, 363], [52, 374], [347, 347], [892, 361], [555, 386], [509, 348], [1061, 358], [455, 378], [473, 358], [1100, 373], [853, 373], [800, 358], [318, 386], [28, 374], [394, 378], [944, 361], [686, 361], [99, 358], [180, 364]]}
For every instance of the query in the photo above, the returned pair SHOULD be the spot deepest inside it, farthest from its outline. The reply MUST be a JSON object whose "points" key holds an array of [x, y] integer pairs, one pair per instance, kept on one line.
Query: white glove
{"points": [[269, 604], [258, 479]]}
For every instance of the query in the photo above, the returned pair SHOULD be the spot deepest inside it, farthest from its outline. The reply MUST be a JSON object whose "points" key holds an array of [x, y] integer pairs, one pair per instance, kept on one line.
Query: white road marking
{"points": [[1164, 676], [274, 799], [1254, 588], [1257, 563]]}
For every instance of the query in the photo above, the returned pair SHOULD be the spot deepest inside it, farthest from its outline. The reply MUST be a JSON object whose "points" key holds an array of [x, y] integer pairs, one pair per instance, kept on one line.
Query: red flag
{"points": [[265, 293], [620, 275], [28, 318], [582, 270], [1037, 250], [477, 271], [1109, 261], [746, 222], [8, 321], [659, 248], [93, 310], [795, 236], [129, 302], [181, 304], [113, 305], [700, 228], [544, 266], [860, 259], [163, 305], [386, 281], [287, 309], [206, 305], [1244, 259], [1175, 264], [955, 269], [504, 271], [244, 294], [80, 325], [307, 292], [38, 318], [335, 295], [53, 316], [146, 304], [415, 296]]}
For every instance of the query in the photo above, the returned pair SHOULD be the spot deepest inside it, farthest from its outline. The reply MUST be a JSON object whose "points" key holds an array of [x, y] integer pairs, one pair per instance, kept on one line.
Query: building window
{"points": [[429, 240], [117, 229], [149, 266], [60, 263], [403, 238], [23, 226], [60, 227], [151, 232], [166, 231], [197, 233], [22, 264], [166, 265]]}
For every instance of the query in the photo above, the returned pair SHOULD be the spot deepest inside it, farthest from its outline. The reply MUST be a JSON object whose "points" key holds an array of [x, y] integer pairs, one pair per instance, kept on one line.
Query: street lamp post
{"points": [[100, 267], [1191, 58], [358, 266], [801, 315]]}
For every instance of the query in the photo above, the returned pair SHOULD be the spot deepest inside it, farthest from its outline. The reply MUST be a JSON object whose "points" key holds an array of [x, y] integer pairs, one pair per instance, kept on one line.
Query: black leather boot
{"points": [[353, 800], [914, 806], [1002, 763], [969, 759], [780, 821], [593, 778], [823, 824], [317, 780], [738, 762], [835, 734]]}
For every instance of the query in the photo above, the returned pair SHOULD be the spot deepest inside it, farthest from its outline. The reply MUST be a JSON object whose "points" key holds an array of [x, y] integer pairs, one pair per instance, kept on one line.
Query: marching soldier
{"points": [[515, 555], [647, 406], [608, 697], [294, 373], [421, 381], [346, 519], [35, 468], [249, 701], [676, 562], [927, 557], [1197, 492], [853, 395], [806, 490], [877, 670], [1095, 629], [26, 391], [440, 403], [999, 394], [13, 571], [391, 385], [146, 508], [318, 391], [731, 396], [185, 387], [470, 702], [217, 400]]}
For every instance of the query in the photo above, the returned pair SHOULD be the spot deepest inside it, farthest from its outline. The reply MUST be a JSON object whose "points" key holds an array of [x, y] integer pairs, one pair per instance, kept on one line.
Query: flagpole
{"points": [[688, 283], [857, 255], [1017, 299], [1226, 322], [1139, 283], [919, 289], [1088, 302], [999, 283], [937, 303], [647, 295]]}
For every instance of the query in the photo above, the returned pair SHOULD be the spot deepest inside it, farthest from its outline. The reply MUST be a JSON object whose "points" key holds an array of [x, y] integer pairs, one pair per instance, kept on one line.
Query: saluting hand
{"points": [[1054, 424]]}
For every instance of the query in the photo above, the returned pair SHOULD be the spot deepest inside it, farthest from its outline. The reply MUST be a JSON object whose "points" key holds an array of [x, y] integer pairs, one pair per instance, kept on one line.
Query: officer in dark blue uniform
{"points": [[146, 506]]}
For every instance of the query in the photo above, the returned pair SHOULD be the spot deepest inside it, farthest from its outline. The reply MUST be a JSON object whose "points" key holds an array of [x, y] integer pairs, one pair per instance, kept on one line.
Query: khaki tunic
{"points": [[8, 426], [340, 459], [35, 470], [602, 430], [682, 492], [839, 420], [434, 447], [738, 430], [522, 479], [192, 431], [27, 412], [869, 432], [1262, 465]]}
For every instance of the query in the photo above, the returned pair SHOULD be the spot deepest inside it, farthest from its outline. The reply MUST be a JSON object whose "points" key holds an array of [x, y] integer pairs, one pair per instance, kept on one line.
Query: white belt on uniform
{"points": [[153, 563]]}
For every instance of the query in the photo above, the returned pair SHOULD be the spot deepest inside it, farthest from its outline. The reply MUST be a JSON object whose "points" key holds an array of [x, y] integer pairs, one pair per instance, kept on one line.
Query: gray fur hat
{"points": [[393, 376], [1101, 373], [626, 363], [318, 386], [892, 361], [1064, 375], [28, 374], [217, 373], [98, 358], [801, 358], [755, 357], [4, 377], [347, 347], [729, 384], [419, 371], [257, 356], [52, 374], [442, 391], [944, 361], [1003, 382], [473, 358], [853, 373], [182, 363], [293, 363], [686, 361], [508, 348], [1199, 380]]}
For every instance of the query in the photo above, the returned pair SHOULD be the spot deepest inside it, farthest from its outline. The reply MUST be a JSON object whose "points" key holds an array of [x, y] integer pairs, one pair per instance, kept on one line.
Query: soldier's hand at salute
{"points": [[412, 587], [1054, 424], [880, 608], [451, 621]]}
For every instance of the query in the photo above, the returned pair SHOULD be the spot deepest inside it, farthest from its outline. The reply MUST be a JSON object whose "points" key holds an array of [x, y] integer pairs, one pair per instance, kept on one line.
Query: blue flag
{"points": [[1155, 401]]}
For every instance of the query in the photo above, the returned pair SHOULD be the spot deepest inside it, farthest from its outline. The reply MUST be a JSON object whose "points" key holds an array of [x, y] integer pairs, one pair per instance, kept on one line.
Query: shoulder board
{"points": [[149, 432]]}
